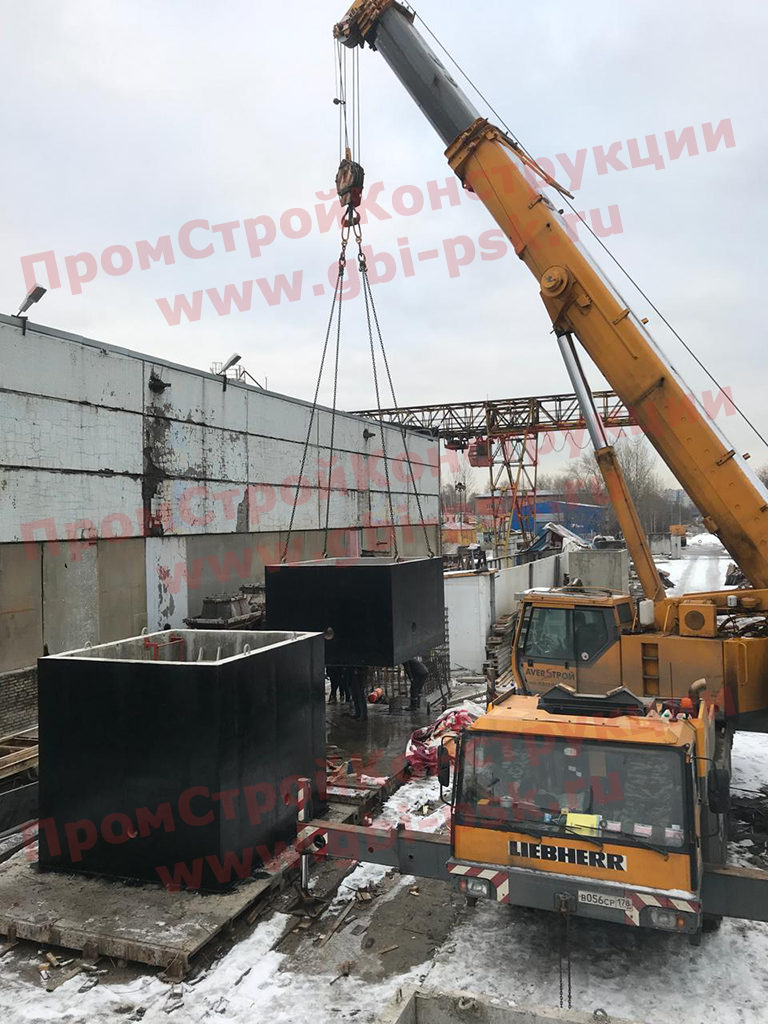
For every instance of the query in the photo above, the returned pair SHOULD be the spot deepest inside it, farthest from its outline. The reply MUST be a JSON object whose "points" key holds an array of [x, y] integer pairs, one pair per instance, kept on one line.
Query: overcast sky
{"points": [[124, 121]]}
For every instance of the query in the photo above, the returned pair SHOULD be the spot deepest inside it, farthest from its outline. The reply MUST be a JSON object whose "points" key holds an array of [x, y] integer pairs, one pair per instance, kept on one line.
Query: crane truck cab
{"points": [[594, 640], [592, 805], [571, 636]]}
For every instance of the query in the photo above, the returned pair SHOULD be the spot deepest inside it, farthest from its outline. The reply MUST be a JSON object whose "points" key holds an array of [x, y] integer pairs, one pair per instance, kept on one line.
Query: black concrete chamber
{"points": [[174, 756], [382, 611]]}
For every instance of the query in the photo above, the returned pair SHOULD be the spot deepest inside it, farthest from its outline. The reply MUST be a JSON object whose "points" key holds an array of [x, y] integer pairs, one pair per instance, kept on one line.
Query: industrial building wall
{"points": [[131, 488], [18, 700]]}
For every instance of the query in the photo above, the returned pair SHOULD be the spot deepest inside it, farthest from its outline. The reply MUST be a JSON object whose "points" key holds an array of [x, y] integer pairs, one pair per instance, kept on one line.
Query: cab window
{"points": [[594, 629], [547, 635], [625, 613]]}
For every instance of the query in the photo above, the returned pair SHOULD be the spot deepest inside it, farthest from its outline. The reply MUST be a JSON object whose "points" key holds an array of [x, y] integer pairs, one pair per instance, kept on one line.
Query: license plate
{"points": [[599, 899]]}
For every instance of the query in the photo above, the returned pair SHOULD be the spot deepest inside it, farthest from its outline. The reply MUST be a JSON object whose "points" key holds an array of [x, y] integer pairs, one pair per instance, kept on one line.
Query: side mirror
{"points": [[719, 790], [443, 767]]}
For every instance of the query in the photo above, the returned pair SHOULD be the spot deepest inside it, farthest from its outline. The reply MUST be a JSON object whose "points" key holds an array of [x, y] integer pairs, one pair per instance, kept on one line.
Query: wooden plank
{"points": [[338, 922], [18, 761]]}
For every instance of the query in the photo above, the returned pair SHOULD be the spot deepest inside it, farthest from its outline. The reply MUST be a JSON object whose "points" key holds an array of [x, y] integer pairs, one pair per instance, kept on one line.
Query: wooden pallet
{"points": [[499, 645]]}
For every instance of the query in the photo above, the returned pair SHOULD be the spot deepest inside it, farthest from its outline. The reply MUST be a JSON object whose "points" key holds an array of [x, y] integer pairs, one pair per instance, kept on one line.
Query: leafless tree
{"points": [[458, 491]]}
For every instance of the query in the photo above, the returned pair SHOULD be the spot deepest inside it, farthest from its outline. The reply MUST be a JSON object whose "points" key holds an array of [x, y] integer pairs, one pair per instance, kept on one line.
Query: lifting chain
{"points": [[373, 321], [350, 179], [564, 910], [336, 302]]}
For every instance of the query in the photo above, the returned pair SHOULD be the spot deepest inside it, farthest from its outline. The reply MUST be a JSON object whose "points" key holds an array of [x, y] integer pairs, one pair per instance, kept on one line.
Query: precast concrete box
{"points": [[174, 756], [382, 610]]}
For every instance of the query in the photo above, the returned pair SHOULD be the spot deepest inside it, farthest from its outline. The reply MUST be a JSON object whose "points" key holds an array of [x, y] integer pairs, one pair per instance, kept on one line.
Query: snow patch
{"points": [[749, 761]]}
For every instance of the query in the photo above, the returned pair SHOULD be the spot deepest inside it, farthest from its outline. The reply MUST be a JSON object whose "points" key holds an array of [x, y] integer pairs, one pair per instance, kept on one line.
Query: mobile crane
{"points": [[601, 787]]}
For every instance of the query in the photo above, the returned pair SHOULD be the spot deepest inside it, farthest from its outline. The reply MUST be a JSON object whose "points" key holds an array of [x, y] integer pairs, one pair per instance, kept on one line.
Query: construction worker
{"points": [[418, 673], [358, 676], [339, 677]]}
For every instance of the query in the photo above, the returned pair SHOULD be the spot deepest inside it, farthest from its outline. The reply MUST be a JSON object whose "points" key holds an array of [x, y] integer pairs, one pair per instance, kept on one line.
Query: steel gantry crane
{"points": [[504, 435]]}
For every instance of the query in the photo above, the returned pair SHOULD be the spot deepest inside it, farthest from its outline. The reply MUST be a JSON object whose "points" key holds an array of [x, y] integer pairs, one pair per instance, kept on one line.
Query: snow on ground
{"points": [[702, 571], [247, 985], [641, 975], [704, 539], [702, 567], [750, 761], [407, 804], [749, 774]]}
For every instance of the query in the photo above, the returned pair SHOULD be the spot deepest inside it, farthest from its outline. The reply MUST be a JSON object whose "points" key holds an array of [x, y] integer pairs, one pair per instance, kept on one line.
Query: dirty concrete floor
{"points": [[380, 741], [401, 926]]}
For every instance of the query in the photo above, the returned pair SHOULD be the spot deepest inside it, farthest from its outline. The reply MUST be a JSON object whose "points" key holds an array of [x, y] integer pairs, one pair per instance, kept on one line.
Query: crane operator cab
{"points": [[572, 638]]}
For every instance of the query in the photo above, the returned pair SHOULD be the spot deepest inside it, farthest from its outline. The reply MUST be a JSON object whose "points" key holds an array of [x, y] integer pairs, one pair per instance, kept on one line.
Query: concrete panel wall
{"points": [[475, 600], [48, 433], [70, 597], [167, 582], [21, 605], [545, 572], [513, 580], [37, 363], [62, 504], [108, 436], [122, 588]]}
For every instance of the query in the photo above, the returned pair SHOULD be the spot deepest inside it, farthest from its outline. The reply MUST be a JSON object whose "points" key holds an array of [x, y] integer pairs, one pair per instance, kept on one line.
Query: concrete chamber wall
{"points": [[468, 601], [416, 1007], [606, 568], [131, 488]]}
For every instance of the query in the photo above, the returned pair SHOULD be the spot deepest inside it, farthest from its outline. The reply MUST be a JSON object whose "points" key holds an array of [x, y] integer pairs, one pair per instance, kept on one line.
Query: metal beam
{"points": [[411, 853], [735, 892], [506, 417]]}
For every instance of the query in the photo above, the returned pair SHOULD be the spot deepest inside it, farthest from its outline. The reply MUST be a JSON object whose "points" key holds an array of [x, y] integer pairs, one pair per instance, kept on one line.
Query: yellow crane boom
{"points": [[578, 298]]}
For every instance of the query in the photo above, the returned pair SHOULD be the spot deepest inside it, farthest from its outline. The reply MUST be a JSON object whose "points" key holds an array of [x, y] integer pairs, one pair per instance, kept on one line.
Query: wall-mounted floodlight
{"points": [[35, 293], [233, 360]]}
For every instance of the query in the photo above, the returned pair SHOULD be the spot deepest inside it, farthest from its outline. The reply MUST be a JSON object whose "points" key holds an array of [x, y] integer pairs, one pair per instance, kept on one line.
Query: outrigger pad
{"points": [[382, 611]]}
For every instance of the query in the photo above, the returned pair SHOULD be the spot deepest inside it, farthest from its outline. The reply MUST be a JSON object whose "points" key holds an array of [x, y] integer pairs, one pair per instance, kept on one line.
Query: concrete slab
{"points": [[142, 923]]}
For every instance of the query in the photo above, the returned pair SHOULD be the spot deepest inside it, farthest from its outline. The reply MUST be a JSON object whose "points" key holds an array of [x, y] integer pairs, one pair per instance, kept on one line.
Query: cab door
{"points": [[545, 647], [597, 651]]}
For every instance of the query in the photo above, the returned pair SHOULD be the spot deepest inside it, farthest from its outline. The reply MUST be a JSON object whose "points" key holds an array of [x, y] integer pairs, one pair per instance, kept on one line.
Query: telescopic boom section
{"points": [[613, 475], [578, 298]]}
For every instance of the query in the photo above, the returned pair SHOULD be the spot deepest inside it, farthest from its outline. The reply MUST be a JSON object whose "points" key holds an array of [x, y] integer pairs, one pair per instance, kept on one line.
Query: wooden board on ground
{"points": [[143, 923]]}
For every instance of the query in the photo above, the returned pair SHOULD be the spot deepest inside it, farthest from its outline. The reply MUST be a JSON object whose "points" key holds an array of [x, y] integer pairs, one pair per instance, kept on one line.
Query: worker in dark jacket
{"points": [[418, 673], [358, 677], [339, 677]]}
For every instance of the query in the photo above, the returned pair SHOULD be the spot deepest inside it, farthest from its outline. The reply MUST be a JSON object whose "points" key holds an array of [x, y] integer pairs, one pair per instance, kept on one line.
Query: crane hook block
{"points": [[349, 183]]}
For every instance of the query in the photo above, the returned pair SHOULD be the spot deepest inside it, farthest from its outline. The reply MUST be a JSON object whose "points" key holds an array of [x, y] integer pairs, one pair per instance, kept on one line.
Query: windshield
{"points": [[598, 789]]}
